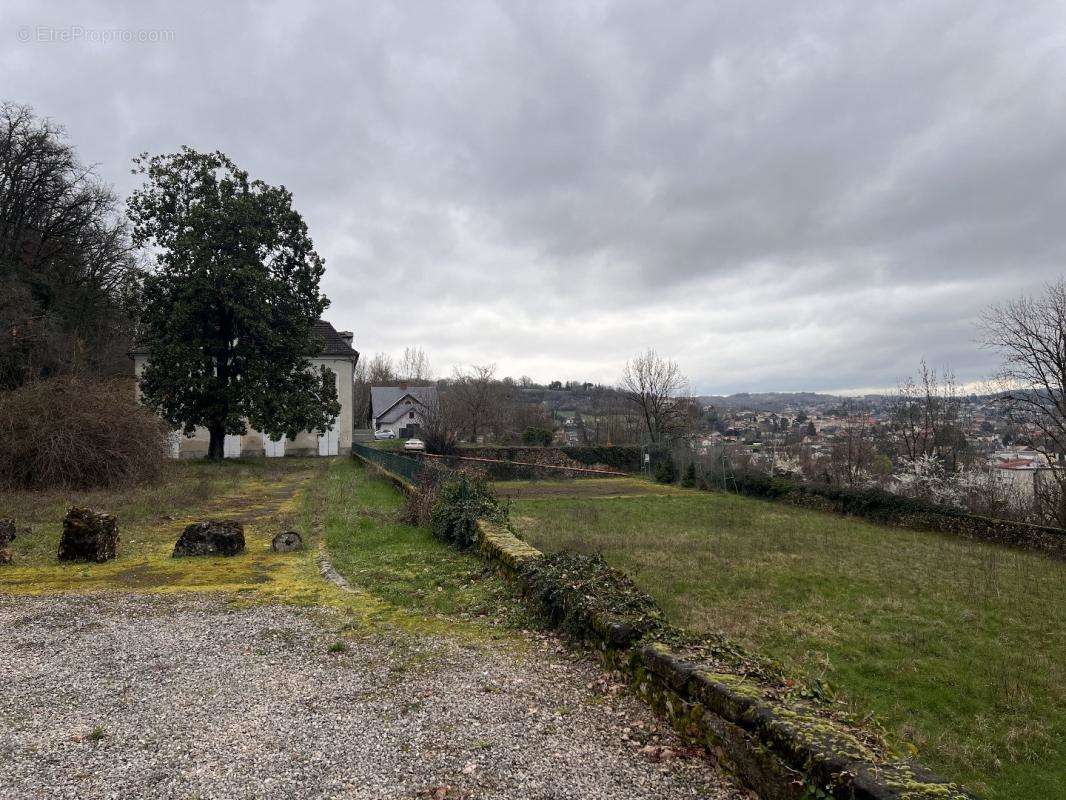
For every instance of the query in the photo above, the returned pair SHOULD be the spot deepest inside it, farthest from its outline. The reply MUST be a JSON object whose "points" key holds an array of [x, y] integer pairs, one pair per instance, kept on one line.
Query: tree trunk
{"points": [[216, 449]]}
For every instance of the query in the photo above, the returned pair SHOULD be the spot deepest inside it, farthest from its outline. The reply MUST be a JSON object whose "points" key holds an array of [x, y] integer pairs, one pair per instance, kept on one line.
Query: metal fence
{"points": [[406, 467]]}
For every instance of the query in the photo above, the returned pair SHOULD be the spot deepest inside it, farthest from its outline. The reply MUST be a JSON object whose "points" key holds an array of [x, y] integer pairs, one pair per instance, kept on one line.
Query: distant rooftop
{"points": [[382, 398]]}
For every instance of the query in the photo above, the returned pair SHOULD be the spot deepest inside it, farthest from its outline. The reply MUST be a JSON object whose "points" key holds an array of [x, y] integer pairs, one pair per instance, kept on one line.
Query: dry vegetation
{"points": [[78, 433]]}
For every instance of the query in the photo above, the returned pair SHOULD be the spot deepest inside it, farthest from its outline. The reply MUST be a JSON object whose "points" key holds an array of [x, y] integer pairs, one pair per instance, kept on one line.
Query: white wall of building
{"points": [[338, 441]]}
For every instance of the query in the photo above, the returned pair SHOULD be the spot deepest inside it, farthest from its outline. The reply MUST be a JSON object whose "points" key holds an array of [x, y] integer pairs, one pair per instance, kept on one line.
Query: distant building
{"points": [[401, 409], [1019, 469]]}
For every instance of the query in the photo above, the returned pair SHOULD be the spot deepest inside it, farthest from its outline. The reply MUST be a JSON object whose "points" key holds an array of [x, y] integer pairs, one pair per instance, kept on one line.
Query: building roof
{"points": [[335, 345], [1018, 463], [382, 398]]}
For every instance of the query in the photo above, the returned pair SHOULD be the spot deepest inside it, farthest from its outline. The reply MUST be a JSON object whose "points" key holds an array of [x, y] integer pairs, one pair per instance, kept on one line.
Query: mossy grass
{"points": [[404, 565], [267, 495], [956, 648], [263, 494]]}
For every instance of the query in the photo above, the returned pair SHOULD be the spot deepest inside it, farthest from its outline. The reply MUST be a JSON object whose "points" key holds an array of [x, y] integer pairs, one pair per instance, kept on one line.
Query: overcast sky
{"points": [[779, 196]]}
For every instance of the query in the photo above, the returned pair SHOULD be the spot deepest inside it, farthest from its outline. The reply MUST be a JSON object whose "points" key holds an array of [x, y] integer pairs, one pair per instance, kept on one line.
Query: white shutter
{"points": [[231, 446], [329, 442], [272, 449]]}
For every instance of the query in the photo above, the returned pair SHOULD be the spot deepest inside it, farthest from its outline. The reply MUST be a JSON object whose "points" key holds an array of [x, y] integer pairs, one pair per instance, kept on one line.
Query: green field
{"points": [[957, 648]]}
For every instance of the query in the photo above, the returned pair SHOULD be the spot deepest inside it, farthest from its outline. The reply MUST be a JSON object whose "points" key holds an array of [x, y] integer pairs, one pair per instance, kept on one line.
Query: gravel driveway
{"points": [[120, 696]]}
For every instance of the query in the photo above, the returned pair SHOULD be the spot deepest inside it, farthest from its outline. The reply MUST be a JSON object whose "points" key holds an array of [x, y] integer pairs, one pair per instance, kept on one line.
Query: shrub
{"points": [[689, 479], [761, 484], [536, 435], [78, 433], [666, 471], [461, 502], [417, 508]]}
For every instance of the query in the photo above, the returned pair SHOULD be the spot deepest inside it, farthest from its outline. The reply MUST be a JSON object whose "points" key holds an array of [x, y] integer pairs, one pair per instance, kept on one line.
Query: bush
{"points": [[689, 479], [78, 433], [535, 435], [666, 471], [417, 508], [461, 502]]}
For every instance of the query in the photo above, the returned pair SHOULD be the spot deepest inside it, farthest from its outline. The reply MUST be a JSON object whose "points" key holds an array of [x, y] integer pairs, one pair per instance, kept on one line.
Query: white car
{"points": [[386, 434], [414, 444]]}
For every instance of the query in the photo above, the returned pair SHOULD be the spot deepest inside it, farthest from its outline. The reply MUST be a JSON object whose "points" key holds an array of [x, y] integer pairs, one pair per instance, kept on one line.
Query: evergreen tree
{"points": [[666, 471], [229, 306], [689, 479]]}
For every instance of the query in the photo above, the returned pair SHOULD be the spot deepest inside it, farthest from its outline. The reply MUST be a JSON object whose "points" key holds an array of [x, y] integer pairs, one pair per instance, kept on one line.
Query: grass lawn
{"points": [[957, 648], [403, 565]]}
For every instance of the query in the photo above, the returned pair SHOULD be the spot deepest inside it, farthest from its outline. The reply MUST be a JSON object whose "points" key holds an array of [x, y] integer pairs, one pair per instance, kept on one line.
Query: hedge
{"points": [[887, 508]]}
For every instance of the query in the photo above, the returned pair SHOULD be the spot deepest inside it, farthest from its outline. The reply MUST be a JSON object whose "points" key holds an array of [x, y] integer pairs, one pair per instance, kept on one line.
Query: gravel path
{"points": [[124, 696]]}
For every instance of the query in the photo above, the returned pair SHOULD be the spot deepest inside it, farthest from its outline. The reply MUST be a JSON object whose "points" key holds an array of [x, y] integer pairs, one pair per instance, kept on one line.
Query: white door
{"points": [[231, 446], [329, 442], [272, 449], [174, 442]]}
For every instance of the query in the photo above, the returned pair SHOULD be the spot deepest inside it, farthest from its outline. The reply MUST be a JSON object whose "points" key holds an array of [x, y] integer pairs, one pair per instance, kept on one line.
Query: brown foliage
{"points": [[78, 433], [418, 505]]}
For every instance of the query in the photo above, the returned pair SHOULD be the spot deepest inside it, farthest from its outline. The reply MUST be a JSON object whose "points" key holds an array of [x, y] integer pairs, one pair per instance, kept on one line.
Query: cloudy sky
{"points": [[777, 195]]}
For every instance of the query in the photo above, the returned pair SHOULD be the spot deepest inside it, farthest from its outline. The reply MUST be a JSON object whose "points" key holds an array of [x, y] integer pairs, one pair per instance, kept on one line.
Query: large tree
{"points": [[1030, 335], [924, 417], [230, 303], [474, 396]]}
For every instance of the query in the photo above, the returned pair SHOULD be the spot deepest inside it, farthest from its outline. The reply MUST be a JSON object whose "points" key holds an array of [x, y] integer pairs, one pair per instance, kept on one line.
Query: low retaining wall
{"points": [[782, 747], [500, 470], [617, 458]]}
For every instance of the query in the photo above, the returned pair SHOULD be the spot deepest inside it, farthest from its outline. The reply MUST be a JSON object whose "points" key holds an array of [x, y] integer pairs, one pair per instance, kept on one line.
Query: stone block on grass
{"points": [[88, 536], [211, 537], [7, 535]]}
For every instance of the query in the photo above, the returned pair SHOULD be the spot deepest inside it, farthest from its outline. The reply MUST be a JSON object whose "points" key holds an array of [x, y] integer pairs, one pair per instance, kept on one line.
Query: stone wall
{"points": [[521, 463]]}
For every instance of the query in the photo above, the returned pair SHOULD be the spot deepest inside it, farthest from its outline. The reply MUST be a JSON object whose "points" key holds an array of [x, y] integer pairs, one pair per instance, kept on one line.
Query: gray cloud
{"points": [[776, 196]]}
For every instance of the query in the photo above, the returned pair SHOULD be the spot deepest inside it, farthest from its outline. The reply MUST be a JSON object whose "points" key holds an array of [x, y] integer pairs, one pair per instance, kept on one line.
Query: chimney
{"points": [[403, 386], [347, 336]]}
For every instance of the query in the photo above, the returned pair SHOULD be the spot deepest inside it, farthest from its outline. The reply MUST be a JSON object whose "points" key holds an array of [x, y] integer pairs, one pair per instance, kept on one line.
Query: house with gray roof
{"points": [[401, 409]]}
